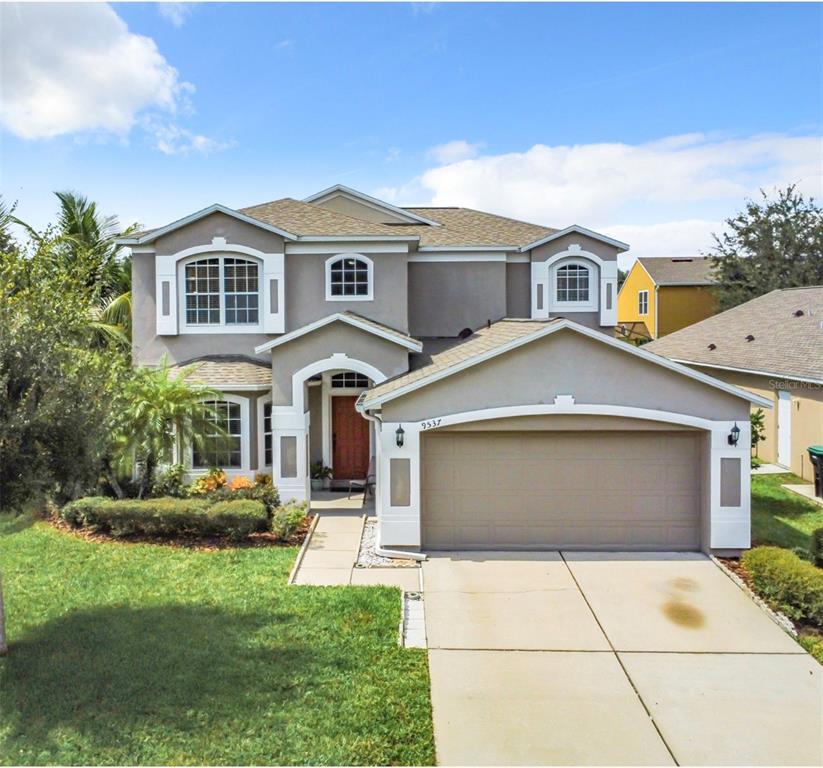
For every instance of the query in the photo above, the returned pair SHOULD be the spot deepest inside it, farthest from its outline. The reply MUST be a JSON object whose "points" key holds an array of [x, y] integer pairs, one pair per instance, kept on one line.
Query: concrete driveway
{"points": [[579, 658]]}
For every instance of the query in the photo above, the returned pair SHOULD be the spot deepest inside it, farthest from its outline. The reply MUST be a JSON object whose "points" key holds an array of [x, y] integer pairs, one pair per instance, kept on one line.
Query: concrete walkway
{"points": [[331, 552], [550, 658], [806, 491]]}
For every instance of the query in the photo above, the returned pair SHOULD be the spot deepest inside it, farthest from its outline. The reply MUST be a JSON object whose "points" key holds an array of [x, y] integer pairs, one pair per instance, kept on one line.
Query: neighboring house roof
{"points": [[784, 342], [350, 318], [506, 335], [679, 271], [228, 372]]}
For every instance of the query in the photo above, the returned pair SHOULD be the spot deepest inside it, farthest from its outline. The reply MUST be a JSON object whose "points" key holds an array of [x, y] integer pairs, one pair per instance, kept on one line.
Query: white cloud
{"points": [[75, 68], [669, 193], [675, 239], [453, 151], [175, 13], [285, 46], [171, 139]]}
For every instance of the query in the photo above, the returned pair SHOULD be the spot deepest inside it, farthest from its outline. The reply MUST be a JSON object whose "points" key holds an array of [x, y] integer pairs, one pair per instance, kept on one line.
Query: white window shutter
{"points": [[540, 290], [166, 295], [274, 293]]}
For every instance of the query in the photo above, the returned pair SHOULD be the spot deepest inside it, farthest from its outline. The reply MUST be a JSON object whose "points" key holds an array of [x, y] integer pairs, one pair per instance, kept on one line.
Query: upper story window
{"points": [[349, 277], [642, 302], [574, 286], [222, 290], [220, 446]]}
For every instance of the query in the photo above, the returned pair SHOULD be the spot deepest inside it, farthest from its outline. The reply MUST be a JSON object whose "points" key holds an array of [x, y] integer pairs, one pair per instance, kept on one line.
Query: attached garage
{"points": [[631, 490], [549, 435]]}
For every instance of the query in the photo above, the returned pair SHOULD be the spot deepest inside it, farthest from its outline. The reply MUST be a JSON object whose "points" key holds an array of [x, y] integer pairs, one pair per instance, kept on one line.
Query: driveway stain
{"points": [[684, 584], [683, 614]]}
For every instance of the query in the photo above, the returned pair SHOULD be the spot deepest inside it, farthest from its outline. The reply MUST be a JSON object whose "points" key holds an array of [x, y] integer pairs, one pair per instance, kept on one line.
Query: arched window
{"points": [[349, 278], [574, 286], [222, 290], [349, 380]]}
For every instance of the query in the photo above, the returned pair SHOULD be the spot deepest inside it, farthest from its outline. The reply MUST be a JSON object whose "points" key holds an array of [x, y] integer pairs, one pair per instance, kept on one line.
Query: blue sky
{"points": [[646, 121]]}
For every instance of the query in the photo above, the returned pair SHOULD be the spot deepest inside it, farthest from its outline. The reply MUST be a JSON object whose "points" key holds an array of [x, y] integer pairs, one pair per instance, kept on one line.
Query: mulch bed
{"points": [[212, 543]]}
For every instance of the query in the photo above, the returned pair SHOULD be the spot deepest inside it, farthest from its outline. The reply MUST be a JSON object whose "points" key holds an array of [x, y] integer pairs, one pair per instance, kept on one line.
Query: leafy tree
{"points": [[159, 407], [773, 243], [758, 422], [55, 388]]}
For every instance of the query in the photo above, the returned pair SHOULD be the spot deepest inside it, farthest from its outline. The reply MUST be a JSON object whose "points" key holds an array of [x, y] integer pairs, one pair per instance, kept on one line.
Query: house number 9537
{"points": [[430, 424]]}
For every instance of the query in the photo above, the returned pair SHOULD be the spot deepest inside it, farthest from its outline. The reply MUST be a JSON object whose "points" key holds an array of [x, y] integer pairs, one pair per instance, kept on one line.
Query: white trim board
{"points": [[408, 342], [553, 327], [787, 376], [341, 190], [215, 208], [576, 228]]}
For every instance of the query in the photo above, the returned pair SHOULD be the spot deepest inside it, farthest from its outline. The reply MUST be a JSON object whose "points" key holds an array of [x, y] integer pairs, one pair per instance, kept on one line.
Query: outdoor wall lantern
{"points": [[399, 436], [734, 435]]}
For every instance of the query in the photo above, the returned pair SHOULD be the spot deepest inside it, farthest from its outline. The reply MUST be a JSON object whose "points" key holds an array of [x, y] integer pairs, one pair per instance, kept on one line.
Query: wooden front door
{"points": [[350, 440]]}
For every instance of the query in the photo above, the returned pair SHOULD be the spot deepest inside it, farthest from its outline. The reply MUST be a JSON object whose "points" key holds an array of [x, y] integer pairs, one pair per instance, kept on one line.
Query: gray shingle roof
{"points": [[680, 271], [784, 343], [480, 342], [224, 372]]}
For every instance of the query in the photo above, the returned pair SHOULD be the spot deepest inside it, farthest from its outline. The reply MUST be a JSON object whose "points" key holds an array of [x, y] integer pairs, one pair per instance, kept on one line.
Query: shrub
{"points": [[241, 481], [239, 488], [817, 547], [792, 585], [213, 480], [167, 517], [287, 520], [170, 482]]}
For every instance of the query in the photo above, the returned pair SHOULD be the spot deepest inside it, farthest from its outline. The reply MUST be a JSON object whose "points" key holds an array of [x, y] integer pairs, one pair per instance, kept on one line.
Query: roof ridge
{"points": [[496, 215]]}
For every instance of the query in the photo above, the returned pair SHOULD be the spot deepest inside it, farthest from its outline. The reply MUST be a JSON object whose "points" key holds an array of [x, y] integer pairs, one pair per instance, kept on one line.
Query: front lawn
{"points": [[780, 517], [141, 654]]}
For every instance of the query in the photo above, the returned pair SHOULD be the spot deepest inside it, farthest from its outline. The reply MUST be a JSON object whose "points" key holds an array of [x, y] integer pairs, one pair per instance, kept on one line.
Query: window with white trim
{"points": [[267, 438], [349, 380], [222, 290], [221, 445], [349, 277], [642, 302], [572, 284]]}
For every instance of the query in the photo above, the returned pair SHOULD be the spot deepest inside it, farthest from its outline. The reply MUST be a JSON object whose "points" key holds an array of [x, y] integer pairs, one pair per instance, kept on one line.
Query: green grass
{"points": [[780, 517], [139, 654]]}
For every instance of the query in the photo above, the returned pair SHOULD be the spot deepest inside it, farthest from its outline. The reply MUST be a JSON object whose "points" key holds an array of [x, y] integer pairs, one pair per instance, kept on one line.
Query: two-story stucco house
{"points": [[469, 358]]}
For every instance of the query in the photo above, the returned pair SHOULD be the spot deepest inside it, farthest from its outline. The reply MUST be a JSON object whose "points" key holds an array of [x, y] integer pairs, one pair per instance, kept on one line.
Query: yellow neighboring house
{"points": [[663, 295]]}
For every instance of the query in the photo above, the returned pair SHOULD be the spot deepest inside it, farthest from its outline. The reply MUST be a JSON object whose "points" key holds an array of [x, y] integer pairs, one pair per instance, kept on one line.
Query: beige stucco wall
{"points": [[390, 358], [566, 363], [306, 290], [807, 415], [446, 297], [349, 207]]}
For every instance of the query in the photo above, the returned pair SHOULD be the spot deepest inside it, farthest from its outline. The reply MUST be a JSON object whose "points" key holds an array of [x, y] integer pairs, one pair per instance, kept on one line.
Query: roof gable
{"points": [[393, 213], [149, 236], [576, 228], [506, 335], [350, 318]]}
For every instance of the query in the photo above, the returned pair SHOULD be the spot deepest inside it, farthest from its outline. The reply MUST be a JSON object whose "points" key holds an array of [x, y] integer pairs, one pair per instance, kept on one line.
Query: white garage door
{"points": [[574, 490]]}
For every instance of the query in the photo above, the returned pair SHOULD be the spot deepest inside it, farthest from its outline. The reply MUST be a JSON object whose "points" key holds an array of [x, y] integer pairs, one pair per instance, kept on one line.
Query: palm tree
{"points": [[161, 409]]}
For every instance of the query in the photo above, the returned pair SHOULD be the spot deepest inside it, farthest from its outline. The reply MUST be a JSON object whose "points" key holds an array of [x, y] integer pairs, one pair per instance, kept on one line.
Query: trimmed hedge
{"points": [[167, 516], [792, 585], [286, 520]]}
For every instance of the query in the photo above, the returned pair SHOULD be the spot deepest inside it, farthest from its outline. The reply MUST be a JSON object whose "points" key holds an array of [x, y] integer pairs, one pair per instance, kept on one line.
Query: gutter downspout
{"points": [[378, 548]]}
